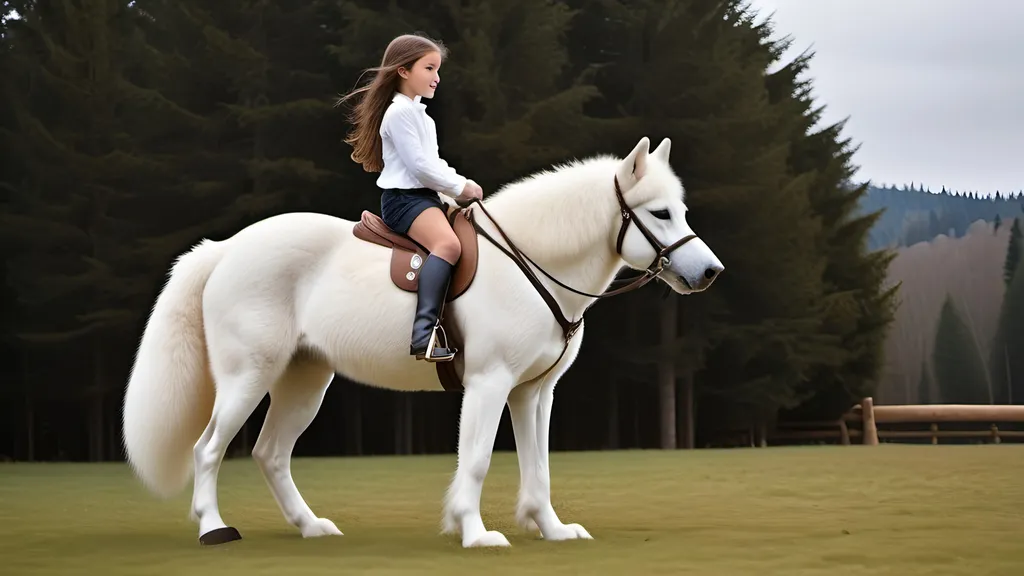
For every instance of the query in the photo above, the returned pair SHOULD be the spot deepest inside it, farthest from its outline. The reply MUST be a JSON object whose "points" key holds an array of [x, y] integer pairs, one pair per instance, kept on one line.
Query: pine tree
{"points": [[755, 335], [859, 306], [924, 385], [1006, 362], [1013, 251], [959, 371], [87, 128], [269, 141], [80, 99]]}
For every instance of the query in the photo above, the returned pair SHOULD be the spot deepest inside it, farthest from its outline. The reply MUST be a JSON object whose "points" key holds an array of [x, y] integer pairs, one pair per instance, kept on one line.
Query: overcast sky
{"points": [[934, 89]]}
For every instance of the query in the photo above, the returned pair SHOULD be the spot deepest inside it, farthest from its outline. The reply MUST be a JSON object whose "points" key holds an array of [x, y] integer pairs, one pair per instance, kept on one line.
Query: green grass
{"points": [[893, 509]]}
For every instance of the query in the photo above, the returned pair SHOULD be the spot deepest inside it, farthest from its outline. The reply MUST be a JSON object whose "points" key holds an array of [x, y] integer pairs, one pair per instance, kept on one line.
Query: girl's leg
{"points": [[432, 230]]}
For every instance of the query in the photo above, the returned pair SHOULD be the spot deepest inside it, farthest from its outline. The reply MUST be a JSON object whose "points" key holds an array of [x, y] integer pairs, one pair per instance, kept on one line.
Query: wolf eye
{"points": [[661, 214]]}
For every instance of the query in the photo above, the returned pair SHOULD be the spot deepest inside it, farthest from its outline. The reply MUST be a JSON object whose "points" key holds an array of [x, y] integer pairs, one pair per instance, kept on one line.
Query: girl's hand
{"points": [[472, 191]]}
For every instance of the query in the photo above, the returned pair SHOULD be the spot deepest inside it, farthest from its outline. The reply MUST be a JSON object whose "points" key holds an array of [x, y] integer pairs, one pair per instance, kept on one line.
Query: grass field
{"points": [[892, 509]]}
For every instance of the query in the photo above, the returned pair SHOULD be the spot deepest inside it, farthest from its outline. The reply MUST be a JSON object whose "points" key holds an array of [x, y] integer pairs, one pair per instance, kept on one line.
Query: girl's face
{"points": [[422, 80]]}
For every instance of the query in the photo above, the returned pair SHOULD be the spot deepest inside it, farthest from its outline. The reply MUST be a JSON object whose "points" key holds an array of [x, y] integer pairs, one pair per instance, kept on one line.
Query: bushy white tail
{"points": [[169, 397]]}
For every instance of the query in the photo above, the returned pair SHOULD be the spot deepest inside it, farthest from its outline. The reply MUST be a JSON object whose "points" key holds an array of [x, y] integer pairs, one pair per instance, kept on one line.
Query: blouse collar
{"points": [[416, 101]]}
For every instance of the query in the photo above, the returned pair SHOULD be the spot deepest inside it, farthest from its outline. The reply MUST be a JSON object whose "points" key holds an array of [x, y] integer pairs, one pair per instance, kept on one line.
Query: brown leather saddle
{"points": [[407, 256]]}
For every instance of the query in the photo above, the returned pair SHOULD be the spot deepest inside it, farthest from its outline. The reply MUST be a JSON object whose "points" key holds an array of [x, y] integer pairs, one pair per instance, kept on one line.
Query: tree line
{"points": [[132, 129], [912, 214]]}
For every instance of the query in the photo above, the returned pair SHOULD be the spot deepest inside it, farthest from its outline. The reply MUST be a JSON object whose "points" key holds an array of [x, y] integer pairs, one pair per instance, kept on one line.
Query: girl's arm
{"points": [[432, 171]]}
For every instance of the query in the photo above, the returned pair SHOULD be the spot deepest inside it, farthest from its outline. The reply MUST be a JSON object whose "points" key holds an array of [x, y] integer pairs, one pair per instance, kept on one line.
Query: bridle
{"points": [[569, 329]]}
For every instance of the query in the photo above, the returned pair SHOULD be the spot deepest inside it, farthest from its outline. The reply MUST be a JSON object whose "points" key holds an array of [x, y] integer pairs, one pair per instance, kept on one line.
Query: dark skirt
{"points": [[399, 207]]}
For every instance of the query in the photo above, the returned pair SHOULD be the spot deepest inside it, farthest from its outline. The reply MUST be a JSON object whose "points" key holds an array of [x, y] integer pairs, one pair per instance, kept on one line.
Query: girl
{"points": [[392, 134]]}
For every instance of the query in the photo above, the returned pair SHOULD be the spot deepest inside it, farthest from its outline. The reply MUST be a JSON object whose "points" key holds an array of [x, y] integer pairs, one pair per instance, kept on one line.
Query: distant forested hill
{"points": [[968, 270], [913, 214]]}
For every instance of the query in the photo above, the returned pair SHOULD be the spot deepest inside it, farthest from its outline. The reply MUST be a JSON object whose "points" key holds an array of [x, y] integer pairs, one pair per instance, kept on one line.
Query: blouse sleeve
{"points": [[428, 168]]}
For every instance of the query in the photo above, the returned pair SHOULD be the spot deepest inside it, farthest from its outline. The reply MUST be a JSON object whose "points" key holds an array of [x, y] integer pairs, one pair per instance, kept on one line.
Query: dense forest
{"points": [[133, 129], [912, 214]]}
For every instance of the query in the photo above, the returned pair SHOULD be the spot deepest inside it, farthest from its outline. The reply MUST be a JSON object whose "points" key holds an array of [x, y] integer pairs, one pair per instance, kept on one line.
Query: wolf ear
{"points": [[662, 151], [634, 165]]}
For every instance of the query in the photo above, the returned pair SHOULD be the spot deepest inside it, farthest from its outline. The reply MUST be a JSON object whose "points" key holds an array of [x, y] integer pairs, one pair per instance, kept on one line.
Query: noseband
{"points": [[656, 266]]}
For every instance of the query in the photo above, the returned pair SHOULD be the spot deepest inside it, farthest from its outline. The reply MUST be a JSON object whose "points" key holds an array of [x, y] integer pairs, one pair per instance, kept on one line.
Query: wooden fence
{"points": [[867, 424]]}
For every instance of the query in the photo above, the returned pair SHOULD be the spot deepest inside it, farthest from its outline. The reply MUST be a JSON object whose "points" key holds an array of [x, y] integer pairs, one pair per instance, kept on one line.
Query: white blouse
{"points": [[410, 152]]}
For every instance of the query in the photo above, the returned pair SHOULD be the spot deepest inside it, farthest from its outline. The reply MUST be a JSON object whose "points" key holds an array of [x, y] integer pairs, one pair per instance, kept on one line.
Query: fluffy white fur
{"points": [[286, 303]]}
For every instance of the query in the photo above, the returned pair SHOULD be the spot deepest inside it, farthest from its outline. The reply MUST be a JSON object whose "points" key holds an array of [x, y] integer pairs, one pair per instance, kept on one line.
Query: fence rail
{"points": [[868, 424]]}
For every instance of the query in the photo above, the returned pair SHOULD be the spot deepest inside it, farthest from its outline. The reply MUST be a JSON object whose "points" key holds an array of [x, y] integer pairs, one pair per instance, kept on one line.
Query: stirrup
{"points": [[447, 355]]}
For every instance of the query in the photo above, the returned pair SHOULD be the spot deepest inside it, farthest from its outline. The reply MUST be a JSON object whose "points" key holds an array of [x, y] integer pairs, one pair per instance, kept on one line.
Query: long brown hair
{"points": [[366, 115]]}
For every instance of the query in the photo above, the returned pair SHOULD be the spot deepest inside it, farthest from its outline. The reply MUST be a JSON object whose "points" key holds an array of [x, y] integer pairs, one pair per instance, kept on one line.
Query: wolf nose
{"points": [[713, 271], [710, 274]]}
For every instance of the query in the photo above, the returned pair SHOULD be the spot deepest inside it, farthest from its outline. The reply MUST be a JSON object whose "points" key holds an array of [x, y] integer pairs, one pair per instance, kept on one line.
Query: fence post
{"points": [[867, 408], [844, 432]]}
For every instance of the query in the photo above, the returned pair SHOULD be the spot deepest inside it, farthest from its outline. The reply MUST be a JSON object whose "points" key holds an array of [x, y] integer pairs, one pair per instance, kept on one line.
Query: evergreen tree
{"points": [[924, 385], [959, 371], [1006, 362], [85, 140], [86, 132], [757, 336], [1012, 252], [859, 306], [270, 140], [1000, 358]]}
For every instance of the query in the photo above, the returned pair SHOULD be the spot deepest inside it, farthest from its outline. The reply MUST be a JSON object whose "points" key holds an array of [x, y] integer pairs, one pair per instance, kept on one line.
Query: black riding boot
{"points": [[433, 287]]}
